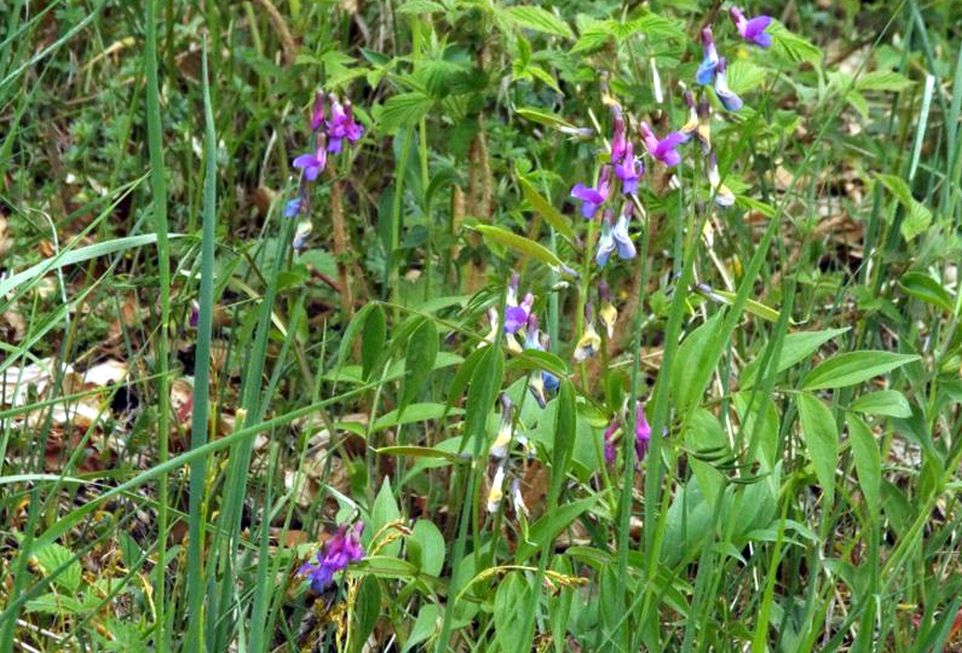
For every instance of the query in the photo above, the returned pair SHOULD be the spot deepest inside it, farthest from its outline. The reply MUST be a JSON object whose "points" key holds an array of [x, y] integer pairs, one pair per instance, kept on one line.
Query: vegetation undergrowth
{"points": [[464, 325]]}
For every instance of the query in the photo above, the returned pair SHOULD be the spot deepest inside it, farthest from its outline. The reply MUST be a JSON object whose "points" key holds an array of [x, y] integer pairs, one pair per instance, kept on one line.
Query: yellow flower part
{"points": [[609, 315], [496, 493], [588, 345]]}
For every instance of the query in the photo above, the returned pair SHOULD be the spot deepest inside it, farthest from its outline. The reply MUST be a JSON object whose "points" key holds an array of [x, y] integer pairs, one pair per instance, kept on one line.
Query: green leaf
{"points": [[54, 604], [884, 402], [655, 27], [424, 626], [883, 80], [543, 532], [372, 340], [367, 608], [383, 512], [542, 206], [520, 244], [537, 19], [511, 630], [925, 288], [752, 306], [485, 384], [420, 452], [744, 76], [564, 438], [51, 558], [868, 463], [543, 117], [792, 46], [594, 34], [420, 7], [430, 547], [463, 377], [854, 367], [821, 439], [404, 110], [795, 348], [413, 413], [918, 217], [422, 351], [350, 334]]}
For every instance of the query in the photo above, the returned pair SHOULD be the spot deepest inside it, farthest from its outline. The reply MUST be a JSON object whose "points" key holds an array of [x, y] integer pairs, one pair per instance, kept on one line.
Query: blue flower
{"points": [[728, 97], [709, 63]]}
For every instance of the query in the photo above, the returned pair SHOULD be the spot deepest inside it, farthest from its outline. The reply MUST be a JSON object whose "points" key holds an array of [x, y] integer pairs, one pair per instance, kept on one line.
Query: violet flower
{"points": [[728, 97], [754, 30], [335, 555], [592, 198], [642, 432], [317, 114], [342, 125], [664, 149], [619, 143], [312, 163], [709, 63], [615, 238], [545, 381], [610, 440], [516, 314], [629, 171]]}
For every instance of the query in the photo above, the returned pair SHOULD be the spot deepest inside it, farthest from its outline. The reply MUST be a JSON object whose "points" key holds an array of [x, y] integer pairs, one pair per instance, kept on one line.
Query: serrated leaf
{"points": [[917, 216], [883, 402], [868, 463], [420, 7], [656, 26], [594, 34], [854, 367], [744, 76], [520, 244], [544, 208], [821, 439], [792, 46], [883, 80], [404, 110], [537, 19], [51, 558]]}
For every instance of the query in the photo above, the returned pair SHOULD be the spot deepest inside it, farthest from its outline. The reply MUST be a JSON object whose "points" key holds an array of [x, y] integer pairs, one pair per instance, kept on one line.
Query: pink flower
{"points": [[664, 149]]}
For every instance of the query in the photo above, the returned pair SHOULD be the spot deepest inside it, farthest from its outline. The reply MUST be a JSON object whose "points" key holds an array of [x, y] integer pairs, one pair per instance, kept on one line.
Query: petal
{"points": [[587, 194], [672, 140], [763, 40], [312, 172], [706, 71], [606, 245], [756, 26], [671, 158], [515, 317], [305, 161], [334, 145]]}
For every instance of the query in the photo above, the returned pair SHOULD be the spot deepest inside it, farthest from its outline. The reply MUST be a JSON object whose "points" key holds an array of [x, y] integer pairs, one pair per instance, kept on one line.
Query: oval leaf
{"points": [[821, 439], [854, 367]]}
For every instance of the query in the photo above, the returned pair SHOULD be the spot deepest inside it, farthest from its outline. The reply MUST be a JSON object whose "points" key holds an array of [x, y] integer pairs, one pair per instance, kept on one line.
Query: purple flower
{"points": [[642, 432], [619, 143], [312, 163], [336, 554], [664, 149], [194, 318], [342, 125], [538, 383], [728, 97], [610, 440], [317, 115], [752, 30], [592, 198], [293, 207], [516, 314], [615, 238], [709, 63], [629, 171]]}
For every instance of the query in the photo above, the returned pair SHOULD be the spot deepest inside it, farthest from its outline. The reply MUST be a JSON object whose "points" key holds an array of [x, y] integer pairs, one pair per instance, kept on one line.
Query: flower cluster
{"points": [[623, 171], [329, 134], [335, 555], [642, 435], [499, 454]]}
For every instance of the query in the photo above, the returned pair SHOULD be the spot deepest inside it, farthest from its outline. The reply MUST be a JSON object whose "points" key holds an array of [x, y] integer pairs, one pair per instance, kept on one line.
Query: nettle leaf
{"points": [[546, 209], [821, 438], [744, 76], [655, 27], [792, 46], [420, 7], [918, 217], [854, 367], [404, 110], [537, 19], [51, 558], [883, 80], [594, 34]]}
